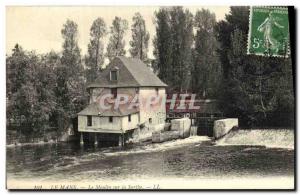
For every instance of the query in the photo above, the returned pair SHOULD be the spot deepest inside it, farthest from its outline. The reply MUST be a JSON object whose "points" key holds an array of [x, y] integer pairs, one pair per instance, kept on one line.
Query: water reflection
{"points": [[201, 160]]}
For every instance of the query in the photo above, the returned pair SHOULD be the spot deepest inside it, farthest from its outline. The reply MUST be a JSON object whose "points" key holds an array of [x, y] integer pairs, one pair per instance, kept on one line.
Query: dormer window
{"points": [[114, 73]]}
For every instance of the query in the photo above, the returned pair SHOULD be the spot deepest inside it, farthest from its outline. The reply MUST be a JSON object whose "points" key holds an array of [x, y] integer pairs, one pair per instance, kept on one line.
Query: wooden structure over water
{"points": [[203, 117]]}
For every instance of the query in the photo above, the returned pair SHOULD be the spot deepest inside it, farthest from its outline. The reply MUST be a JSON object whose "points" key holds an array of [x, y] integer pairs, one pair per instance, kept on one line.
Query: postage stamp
{"points": [[268, 31]]}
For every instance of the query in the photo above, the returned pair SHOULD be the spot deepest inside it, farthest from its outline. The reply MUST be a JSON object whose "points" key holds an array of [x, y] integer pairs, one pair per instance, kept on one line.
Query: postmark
{"points": [[268, 31]]}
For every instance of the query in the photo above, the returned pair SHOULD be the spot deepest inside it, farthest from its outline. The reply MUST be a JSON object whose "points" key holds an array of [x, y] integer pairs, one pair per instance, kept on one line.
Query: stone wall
{"points": [[180, 128], [223, 126], [159, 136], [182, 125]]}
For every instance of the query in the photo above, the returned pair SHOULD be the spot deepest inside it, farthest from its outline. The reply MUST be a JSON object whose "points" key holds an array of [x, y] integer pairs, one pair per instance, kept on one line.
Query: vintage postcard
{"points": [[150, 98]]}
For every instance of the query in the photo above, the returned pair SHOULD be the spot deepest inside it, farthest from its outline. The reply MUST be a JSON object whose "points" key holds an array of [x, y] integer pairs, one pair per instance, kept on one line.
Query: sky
{"points": [[39, 28]]}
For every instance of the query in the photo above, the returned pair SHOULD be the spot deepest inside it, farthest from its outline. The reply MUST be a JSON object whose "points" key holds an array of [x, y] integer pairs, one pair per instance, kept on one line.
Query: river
{"points": [[194, 158]]}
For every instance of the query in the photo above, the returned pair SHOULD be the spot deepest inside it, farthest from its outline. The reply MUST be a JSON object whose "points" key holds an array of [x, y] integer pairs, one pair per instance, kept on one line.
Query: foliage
{"points": [[162, 43], [182, 39], [253, 85], [30, 94], [140, 38], [95, 58], [48, 90], [116, 45], [70, 78], [206, 71], [173, 44], [45, 91]]}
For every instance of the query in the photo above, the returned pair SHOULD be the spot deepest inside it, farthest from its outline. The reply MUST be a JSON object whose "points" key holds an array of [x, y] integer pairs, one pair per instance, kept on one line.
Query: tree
{"points": [[206, 66], [182, 38], [252, 86], [116, 43], [30, 95], [173, 47], [163, 46], [95, 57], [16, 68], [140, 38], [70, 90], [20, 92], [45, 90], [44, 81], [238, 18], [71, 57]]}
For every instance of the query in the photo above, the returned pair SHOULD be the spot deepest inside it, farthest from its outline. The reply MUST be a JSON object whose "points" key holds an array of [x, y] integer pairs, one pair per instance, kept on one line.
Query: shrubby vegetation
{"points": [[191, 54]]}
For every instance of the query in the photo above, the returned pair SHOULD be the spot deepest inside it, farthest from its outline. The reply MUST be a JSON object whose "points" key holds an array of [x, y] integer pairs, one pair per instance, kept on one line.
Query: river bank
{"points": [[200, 161], [16, 139], [281, 138]]}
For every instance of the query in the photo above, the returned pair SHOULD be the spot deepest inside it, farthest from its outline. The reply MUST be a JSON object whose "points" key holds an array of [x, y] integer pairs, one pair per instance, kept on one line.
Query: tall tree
{"points": [[206, 66], [140, 38], [44, 81], [20, 93], [71, 57], [116, 45], [95, 57], [70, 81], [163, 46], [236, 19], [182, 39]]}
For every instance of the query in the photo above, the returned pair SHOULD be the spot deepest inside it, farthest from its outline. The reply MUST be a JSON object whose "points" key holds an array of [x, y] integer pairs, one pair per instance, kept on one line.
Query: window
{"points": [[150, 120], [122, 98], [110, 119], [129, 118], [89, 121], [157, 90], [137, 90], [114, 75], [114, 92]]}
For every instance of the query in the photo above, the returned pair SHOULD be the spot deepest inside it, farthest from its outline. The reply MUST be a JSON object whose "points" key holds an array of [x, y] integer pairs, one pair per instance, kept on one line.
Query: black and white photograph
{"points": [[150, 98]]}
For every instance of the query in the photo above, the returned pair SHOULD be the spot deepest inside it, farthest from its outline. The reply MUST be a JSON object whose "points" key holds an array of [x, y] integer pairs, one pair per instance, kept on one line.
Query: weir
{"points": [[276, 138], [224, 126]]}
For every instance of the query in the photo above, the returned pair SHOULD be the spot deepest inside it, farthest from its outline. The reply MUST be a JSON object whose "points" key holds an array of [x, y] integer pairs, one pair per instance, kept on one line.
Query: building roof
{"points": [[96, 110], [206, 106], [132, 73]]}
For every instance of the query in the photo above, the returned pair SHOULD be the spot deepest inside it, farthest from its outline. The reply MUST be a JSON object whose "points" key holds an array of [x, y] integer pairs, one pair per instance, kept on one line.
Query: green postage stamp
{"points": [[269, 31]]}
